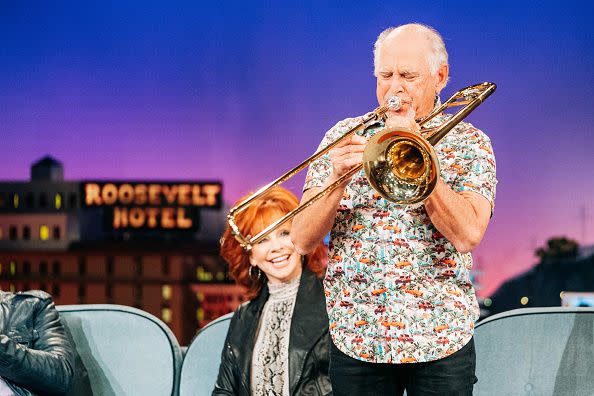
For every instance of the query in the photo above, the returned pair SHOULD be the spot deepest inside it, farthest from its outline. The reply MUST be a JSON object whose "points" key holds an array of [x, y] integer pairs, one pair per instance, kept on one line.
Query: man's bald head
{"points": [[436, 51]]}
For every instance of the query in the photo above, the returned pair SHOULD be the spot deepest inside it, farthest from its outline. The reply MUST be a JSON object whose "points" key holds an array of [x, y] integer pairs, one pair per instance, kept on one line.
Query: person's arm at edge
{"points": [[48, 369]]}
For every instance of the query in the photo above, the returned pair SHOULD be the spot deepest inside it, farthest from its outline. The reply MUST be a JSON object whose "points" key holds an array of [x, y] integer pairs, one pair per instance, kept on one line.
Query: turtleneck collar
{"points": [[284, 290]]}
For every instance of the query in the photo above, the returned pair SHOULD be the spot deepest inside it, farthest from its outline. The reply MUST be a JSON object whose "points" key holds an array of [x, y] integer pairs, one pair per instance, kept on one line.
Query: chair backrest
{"points": [[200, 366], [536, 351], [125, 351]]}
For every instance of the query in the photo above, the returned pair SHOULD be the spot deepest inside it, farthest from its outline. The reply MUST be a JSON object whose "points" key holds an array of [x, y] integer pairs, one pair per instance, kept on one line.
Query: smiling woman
{"points": [[278, 343], [275, 255], [245, 268]]}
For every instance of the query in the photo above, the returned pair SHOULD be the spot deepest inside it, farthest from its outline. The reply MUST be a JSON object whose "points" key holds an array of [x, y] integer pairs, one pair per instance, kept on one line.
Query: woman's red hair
{"points": [[261, 213]]}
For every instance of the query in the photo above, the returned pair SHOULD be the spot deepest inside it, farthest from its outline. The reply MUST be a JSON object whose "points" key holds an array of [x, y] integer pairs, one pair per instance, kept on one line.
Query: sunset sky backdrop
{"points": [[242, 91]]}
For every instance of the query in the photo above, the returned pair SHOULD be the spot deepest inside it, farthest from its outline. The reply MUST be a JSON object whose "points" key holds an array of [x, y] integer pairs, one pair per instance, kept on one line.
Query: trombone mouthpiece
{"points": [[394, 103]]}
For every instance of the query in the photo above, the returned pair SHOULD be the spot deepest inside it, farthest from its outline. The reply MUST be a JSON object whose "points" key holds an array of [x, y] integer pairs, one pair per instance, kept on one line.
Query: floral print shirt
{"points": [[396, 290]]}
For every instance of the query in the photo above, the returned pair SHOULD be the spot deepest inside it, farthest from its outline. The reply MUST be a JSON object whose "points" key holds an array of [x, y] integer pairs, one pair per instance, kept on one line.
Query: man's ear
{"points": [[442, 77]]}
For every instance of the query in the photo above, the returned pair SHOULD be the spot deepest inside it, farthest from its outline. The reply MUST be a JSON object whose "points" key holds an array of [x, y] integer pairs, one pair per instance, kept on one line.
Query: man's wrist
{"points": [[332, 179]]}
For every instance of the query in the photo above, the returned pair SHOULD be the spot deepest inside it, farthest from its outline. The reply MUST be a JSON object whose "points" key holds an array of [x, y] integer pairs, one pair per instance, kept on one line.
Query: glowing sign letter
{"points": [[137, 217], [126, 194], [170, 192], [167, 218], [182, 220], [211, 191], [183, 195], [140, 192], [120, 218], [197, 199], [92, 197], [109, 194], [152, 217], [154, 191]]}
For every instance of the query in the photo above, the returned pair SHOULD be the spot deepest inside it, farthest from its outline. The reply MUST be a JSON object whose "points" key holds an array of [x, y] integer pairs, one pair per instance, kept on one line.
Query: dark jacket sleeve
{"points": [[227, 382], [322, 354], [43, 360]]}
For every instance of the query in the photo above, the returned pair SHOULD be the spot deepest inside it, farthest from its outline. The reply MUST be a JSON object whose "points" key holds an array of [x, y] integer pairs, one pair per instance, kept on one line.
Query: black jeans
{"points": [[453, 375]]}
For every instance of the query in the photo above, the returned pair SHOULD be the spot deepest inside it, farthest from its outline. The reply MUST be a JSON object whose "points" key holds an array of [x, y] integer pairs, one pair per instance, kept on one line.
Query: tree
{"points": [[558, 248]]}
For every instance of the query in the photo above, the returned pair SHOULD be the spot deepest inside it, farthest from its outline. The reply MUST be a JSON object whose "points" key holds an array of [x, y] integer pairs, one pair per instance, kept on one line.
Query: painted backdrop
{"points": [[241, 91]]}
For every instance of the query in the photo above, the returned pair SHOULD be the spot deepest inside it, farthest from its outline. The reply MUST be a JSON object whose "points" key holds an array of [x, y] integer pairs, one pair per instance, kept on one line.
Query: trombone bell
{"points": [[401, 165]]}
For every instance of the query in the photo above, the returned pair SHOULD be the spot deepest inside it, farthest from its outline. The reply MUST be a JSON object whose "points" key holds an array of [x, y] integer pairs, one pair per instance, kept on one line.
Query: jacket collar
{"points": [[250, 322], [309, 323]]}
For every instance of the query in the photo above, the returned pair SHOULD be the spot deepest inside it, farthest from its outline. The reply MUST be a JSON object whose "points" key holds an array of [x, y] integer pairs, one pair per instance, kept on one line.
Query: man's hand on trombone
{"points": [[345, 156]]}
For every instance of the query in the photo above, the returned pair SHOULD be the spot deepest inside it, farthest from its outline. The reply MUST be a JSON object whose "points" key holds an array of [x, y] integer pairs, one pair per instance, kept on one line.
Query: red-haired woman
{"points": [[278, 342]]}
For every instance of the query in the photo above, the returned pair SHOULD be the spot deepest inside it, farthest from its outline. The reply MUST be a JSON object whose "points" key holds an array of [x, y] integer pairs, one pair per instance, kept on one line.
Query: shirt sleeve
{"points": [[475, 165], [320, 169]]}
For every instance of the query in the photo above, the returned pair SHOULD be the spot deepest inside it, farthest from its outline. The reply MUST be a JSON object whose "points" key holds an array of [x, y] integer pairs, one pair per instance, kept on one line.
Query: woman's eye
{"points": [[285, 233]]}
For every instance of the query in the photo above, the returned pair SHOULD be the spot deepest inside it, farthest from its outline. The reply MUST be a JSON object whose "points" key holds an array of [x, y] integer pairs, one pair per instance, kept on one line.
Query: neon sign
{"points": [[152, 205]]}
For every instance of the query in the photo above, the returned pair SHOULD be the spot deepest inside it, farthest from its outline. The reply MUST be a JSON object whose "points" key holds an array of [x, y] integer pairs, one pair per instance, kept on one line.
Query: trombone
{"points": [[399, 163]]}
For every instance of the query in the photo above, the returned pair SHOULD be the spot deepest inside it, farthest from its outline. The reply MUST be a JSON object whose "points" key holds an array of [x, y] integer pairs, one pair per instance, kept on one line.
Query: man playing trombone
{"points": [[398, 293]]}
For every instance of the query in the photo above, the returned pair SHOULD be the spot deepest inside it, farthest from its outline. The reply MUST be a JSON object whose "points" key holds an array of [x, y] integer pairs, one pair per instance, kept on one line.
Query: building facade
{"points": [[151, 245]]}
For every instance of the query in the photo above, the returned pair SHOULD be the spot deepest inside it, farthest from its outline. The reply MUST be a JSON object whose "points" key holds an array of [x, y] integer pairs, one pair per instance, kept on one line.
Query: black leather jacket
{"points": [[309, 343], [36, 356]]}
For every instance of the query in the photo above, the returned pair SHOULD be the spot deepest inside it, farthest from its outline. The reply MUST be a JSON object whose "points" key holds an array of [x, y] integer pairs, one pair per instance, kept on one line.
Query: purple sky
{"points": [[243, 91]]}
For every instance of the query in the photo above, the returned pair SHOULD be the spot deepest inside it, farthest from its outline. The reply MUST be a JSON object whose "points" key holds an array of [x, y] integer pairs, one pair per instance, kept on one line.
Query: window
{"points": [[82, 292], [58, 201], [165, 265], [12, 233], [72, 201], [26, 268], [15, 200], [11, 268], [44, 232], [138, 265], [166, 292], [199, 315], [56, 270], [1, 233], [55, 290], [43, 268], [26, 233], [29, 200], [2, 201], [43, 200], [166, 315], [138, 292], [109, 266], [138, 296], [56, 232], [82, 266]]}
